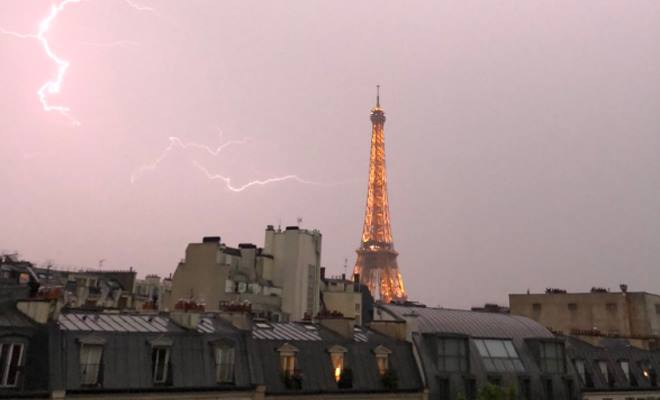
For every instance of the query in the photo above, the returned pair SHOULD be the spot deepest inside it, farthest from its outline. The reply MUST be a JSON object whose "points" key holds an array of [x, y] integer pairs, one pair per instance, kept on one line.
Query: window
{"points": [[611, 307], [525, 389], [572, 306], [499, 355], [452, 354], [444, 391], [625, 367], [648, 372], [224, 363], [536, 307], [657, 308], [382, 361], [90, 363], [552, 357], [579, 367], [470, 388], [605, 372], [160, 361], [549, 390], [288, 363], [570, 389], [287, 359], [382, 354], [337, 360], [11, 357]]}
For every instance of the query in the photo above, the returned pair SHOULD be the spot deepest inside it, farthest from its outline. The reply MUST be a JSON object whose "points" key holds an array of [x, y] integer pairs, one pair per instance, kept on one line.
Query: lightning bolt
{"points": [[54, 86], [177, 142], [237, 189], [137, 6]]}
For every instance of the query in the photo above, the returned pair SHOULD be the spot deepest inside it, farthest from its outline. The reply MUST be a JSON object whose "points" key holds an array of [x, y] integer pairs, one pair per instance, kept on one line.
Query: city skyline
{"points": [[522, 138]]}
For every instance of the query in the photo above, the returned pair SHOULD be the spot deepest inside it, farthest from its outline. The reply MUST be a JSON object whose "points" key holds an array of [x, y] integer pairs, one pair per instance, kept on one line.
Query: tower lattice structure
{"points": [[376, 258]]}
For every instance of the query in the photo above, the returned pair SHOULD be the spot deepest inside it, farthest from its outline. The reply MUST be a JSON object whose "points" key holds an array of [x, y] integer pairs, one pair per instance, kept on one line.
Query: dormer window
{"points": [[552, 357], [160, 358], [224, 362], [161, 367], [337, 360], [288, 363], [382, 354], [499, 355], [287, 359], [452, 354], [648, 372], [625, 367], [581, 370], [91, 360], [11, 359], [605, 372]]}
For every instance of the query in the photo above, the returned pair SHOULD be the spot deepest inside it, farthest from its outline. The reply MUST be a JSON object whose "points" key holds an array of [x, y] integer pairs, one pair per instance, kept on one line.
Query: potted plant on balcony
{"points": [[345, 379], [390, 379], [293, 380]]}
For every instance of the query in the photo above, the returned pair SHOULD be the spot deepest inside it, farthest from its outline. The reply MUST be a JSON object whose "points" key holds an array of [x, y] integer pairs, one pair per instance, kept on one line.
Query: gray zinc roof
{"points": [[78, 321], [472, 323], [285, 331]]}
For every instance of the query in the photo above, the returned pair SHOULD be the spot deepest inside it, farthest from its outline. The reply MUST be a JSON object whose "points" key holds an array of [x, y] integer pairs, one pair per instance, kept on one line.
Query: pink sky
{"points": [[522, 138]]}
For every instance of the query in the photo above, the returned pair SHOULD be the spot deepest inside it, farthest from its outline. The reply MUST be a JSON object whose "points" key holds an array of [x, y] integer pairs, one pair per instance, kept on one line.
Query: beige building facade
{"points": [[342, 296], [594, 315], [279, 281]]}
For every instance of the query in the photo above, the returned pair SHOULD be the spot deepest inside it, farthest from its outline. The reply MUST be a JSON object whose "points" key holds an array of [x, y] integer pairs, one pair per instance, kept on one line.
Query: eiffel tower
{"points": [[376, 258]]}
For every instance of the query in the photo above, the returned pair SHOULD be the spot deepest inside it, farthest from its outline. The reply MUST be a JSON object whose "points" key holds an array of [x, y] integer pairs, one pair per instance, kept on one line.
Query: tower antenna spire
{"points": [[378, 96]]}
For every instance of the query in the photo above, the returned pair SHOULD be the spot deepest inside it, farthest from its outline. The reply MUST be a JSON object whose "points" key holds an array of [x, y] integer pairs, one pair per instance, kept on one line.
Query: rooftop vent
{"points": [[247, 246], [292, 228], [555, 291]]}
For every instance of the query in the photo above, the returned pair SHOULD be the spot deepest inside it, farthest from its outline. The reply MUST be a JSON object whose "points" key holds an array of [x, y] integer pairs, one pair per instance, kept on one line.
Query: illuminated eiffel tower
{"points": [[376, 258]]}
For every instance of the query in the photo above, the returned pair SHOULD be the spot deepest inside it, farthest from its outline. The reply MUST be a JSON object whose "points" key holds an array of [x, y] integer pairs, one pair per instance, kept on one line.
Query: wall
{"points": [[592, 311], [296, 269], [200, 275], [344, 302]]}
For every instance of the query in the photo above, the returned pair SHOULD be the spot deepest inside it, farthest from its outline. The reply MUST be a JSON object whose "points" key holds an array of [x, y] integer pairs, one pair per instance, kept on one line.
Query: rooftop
{"points": [[472, 323]]}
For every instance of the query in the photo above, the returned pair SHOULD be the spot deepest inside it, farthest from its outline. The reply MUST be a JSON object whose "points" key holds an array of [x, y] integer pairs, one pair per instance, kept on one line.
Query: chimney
{"points": [[211, 239], [624, 288], [240, 320], [341, 326], [40, 310], [343, 277]]}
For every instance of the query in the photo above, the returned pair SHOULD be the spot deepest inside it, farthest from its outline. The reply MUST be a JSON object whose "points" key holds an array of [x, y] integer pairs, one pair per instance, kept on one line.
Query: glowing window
{"points": [[288, 359], [337, 361], [382, 354]]}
